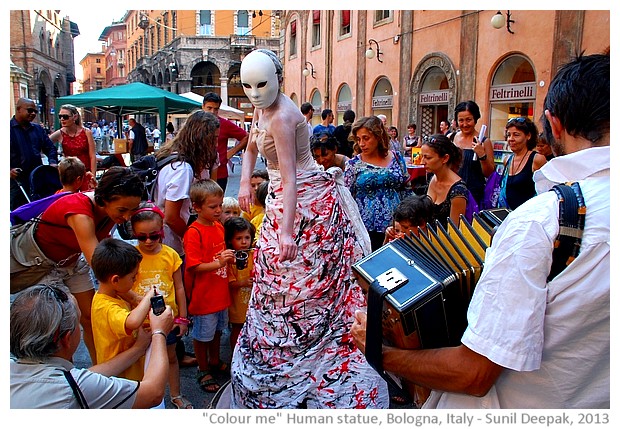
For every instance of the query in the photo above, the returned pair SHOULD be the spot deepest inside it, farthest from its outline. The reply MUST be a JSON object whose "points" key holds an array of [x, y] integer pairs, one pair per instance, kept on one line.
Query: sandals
{"points": [[181, 403], [220, 368], [207, 382]]}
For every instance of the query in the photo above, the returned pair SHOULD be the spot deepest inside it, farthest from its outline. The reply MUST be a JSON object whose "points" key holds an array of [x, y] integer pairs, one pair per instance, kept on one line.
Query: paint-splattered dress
{"points": [[295, 349]]}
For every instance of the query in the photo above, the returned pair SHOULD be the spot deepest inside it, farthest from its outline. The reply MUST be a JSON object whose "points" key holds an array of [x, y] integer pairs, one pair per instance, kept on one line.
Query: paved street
{"points": [[189, 386]]}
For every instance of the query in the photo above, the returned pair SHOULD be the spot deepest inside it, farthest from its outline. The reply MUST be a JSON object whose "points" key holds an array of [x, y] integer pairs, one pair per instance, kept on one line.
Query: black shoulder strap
{"points": [[76, 390], [572, 221], [161, 163]]}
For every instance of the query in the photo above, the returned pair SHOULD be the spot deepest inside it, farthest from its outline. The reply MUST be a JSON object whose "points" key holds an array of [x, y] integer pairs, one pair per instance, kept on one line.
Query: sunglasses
{"points": [[64, 117], [61, 297], [31, 110], [59, 294], [519, 120], [153, 237]]}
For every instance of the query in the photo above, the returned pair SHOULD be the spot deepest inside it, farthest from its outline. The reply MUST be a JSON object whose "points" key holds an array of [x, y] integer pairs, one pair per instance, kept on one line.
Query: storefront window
{"points": [[345, 102], [382, 99], [317, 104], [513, 93]]}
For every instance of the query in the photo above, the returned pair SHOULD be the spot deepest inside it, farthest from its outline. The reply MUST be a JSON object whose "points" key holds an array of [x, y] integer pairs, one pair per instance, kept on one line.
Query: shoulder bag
{"points": [[28, 262]]}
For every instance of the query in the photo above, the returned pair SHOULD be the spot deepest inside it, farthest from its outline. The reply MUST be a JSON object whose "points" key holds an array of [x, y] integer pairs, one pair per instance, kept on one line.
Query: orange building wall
{"points": [[596, 22]]}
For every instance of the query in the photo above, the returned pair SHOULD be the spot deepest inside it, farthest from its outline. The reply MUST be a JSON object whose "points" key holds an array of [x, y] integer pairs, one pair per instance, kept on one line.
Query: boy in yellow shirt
{"points": [[115, 264]]}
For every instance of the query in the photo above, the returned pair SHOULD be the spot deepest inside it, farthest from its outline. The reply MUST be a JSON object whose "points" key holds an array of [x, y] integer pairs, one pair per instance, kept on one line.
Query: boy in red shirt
{"points": [[206, 280]]}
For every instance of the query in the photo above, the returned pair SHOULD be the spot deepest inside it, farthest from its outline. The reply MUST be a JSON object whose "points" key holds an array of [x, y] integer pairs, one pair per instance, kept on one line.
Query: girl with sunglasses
{"points": [[74, 138], [161, 267]]}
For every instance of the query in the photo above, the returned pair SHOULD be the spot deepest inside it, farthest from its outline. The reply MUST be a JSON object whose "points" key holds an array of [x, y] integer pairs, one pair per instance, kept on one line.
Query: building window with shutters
{"points": [[293, 39], [345, 22], [316, 28]]}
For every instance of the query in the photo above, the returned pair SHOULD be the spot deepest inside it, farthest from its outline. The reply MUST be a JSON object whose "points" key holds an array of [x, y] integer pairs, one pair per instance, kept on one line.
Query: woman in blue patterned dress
{"points": [[376, 177]]}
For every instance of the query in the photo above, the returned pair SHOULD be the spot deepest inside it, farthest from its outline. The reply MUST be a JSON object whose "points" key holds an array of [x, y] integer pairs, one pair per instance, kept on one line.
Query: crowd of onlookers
{"points": [[275, 264]]}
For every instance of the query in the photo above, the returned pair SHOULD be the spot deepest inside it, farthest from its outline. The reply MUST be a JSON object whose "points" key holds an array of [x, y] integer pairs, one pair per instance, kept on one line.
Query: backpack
{"points": [[572, 220], [33, 209], [147, 168]]}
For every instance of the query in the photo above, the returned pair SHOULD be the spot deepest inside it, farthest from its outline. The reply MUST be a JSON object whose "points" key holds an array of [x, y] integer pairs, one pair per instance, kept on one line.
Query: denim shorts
{"points": [[206, 325], [173, 337]]}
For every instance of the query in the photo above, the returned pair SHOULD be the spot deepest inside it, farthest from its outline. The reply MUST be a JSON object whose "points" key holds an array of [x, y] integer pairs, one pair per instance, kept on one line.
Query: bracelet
{"points": [[482, 158], [158, 331], [181, 321]]}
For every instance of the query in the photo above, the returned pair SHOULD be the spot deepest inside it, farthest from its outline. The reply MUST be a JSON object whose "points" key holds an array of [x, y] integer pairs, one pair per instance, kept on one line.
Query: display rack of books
{"points": [[500, 151]]}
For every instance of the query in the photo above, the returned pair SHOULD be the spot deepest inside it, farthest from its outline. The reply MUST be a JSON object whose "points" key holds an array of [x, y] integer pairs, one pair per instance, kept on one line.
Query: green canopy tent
{"points": [[131, 99]]}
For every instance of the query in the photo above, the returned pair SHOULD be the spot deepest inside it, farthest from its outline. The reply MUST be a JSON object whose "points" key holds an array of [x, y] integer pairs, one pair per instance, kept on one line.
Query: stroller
{"points": [[44, 181]]}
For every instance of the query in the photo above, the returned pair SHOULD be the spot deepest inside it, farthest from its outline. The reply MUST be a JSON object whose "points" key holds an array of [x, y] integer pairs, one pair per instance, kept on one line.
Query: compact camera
{"points": [[158, 304]]}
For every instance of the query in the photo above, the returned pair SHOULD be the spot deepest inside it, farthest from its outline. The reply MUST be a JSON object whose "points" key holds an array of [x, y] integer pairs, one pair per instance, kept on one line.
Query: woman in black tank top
{"points": [[521, 134]]}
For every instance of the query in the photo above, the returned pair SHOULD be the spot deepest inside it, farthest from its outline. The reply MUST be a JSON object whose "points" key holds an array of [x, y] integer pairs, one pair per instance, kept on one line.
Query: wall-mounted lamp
{"points": [[260, 13], [370, 54], [144, 21], [309, 72], [499, 20]]}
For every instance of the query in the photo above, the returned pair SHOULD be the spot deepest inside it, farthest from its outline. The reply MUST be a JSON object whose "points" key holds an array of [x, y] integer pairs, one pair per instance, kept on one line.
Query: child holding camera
{"points": [[115, 264], [206, 280], [239, 236], [160, 269]]}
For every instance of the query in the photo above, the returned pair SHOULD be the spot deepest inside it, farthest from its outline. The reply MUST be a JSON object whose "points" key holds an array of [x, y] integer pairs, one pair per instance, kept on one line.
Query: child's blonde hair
{"points": [[231, 203], [202, 189], [70, 169]]}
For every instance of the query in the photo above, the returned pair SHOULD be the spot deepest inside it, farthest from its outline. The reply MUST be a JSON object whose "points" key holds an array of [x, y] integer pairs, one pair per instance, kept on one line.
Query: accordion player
{"points": [[419, 288]]}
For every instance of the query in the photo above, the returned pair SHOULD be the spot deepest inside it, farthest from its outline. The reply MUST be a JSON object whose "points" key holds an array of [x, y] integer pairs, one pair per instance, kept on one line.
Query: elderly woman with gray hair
{"points": [[45, 333]]}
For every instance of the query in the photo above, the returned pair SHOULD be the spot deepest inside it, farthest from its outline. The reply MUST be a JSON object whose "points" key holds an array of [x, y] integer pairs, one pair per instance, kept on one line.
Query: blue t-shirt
{"points": [[322, 129]]}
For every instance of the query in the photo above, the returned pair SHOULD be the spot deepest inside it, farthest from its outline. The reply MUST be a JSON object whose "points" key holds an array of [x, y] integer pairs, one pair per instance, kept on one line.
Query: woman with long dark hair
{"points": [[446, 189], [196, 157]]}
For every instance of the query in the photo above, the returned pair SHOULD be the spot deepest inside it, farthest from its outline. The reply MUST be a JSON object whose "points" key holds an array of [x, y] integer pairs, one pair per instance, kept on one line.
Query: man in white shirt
{"points": [[533, 343], [96, 135], [45, 333]]}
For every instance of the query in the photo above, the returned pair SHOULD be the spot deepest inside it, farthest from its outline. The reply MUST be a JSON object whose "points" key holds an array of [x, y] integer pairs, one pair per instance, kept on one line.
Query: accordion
{"points": [[419, 288]]}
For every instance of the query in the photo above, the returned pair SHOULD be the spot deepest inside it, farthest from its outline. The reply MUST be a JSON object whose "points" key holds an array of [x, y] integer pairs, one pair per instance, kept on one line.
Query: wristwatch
{"points": [[482, 158]]}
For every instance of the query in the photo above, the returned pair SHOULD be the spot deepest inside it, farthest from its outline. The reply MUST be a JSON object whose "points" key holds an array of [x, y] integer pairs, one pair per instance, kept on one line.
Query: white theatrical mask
{"points": [[259, 79]]}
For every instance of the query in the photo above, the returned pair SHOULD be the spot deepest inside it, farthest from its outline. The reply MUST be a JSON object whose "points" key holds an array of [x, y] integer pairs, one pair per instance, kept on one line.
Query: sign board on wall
{"points": [[434, 97], [516, 91], [343, 106], [381, 101]]}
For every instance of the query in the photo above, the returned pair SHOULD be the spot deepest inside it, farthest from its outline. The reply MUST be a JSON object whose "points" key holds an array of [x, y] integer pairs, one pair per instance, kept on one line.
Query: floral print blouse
{"points": [[377, 190]]}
